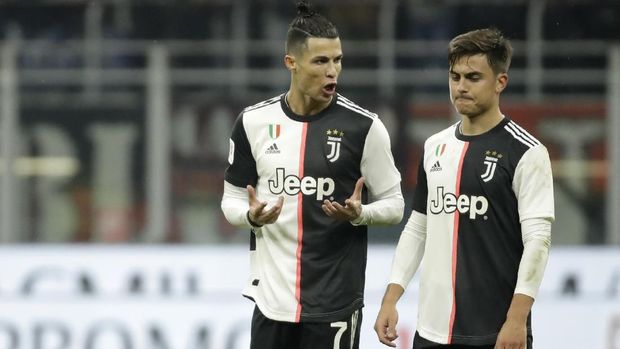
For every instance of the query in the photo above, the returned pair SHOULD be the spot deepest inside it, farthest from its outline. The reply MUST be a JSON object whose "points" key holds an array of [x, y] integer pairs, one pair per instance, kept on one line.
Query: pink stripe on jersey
{"points": [[455, 240], [300, 221]]}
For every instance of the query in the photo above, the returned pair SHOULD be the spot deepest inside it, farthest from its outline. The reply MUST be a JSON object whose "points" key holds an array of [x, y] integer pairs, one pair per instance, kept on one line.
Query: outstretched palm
{"points": [[352, 206], [258, 213]]}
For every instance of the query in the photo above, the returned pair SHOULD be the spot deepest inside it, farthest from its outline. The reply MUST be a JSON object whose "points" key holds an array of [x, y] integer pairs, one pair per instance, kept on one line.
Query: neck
{"points": [[479, 124], [303, 105]]}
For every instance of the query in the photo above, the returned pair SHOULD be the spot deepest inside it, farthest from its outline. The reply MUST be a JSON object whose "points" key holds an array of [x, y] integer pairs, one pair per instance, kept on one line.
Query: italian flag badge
{"points": [[274, 131]]}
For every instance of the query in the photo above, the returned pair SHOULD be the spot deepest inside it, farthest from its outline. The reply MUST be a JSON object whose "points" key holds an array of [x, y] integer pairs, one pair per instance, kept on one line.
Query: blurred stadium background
{"points": [[114, 125]]}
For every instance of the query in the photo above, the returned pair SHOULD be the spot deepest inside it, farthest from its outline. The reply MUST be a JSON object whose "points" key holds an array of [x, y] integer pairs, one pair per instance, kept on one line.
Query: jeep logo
{"points": [[448, 203], [292, 185]]}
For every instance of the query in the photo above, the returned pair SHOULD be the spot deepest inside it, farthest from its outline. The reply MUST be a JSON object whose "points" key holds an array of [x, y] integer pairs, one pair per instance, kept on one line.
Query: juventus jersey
{"points": [[475, 191], [307, 266]]}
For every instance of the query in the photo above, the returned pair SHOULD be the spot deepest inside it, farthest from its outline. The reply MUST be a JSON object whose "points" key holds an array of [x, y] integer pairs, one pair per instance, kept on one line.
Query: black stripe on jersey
{"points": [[262, 104], [243, 169], [333, 258], [521, 135], [355, 107], [420, 193]]}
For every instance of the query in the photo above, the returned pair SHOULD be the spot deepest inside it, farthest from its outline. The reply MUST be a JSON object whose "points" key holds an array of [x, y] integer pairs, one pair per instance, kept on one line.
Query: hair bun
{"points": [[303, 9]]}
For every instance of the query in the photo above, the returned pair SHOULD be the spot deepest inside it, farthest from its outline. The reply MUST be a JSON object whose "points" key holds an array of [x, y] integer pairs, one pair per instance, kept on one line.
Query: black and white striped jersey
{"points": [[476, 191], [307, 266]]}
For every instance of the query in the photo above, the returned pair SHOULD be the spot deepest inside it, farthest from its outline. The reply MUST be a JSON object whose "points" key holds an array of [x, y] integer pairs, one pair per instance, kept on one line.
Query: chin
{"points": [[323, 98]]}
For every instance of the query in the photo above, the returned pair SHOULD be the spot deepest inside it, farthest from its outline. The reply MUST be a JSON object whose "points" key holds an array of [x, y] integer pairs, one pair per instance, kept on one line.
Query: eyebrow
{"points": [[467, 74], [326, 57]]}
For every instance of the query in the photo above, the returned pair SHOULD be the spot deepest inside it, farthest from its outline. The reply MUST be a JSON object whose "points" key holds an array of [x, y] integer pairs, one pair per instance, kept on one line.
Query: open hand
{"points": [[258, 213], [352, 206]]}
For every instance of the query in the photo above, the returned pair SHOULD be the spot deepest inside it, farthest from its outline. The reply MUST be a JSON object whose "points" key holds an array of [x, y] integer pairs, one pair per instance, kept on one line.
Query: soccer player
{"points": [[482, 214], [309, 170]]}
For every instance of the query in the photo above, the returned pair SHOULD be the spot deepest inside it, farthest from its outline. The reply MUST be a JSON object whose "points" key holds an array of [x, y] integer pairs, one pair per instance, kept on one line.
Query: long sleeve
{"points": [[386, 203], [410, 250], [387, 208], [235, 205], [536, 234]]}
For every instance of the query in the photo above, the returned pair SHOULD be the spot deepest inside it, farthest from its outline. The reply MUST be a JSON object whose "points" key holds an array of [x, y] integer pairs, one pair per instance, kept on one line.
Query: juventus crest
{"points": [[334, 138], [490, 161]]}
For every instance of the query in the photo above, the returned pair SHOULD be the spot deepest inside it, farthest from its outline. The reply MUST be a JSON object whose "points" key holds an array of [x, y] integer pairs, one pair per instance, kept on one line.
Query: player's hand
{"points": [[513, 335], [352, 206], [258, 213], [385, 326]]}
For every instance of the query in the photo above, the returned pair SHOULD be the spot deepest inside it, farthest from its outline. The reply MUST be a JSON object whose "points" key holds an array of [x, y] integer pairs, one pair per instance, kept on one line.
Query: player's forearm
{"points": [[235, 205], [520, 308], [409, 250], [393, 293], [385, 209], [536, 242]]}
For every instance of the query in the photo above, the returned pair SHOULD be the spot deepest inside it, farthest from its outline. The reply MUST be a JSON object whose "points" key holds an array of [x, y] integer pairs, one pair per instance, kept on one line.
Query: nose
{"points": [[461, 86], [332, 71]]}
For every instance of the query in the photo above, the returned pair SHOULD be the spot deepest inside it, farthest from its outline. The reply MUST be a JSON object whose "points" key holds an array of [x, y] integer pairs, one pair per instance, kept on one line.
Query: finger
{"points": [[387, 342], [351, 203], [357, 192], [380, 328], [268, 214], [343, 212], [328, 208], [280, 202], [272, 214], [390, 333], [260, 207], [338, 207], [251, 193]]}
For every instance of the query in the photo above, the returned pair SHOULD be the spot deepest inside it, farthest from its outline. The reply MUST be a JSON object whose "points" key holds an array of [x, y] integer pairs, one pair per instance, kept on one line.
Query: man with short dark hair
{"points": [[323, 170], [482, 214]]}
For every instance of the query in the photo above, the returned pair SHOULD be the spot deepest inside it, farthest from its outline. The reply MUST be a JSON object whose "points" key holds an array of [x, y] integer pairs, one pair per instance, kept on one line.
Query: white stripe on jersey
{"points": [[262, 104], [518, 136], [357, 106], [524, 132], [354, 107], [353, 327]]}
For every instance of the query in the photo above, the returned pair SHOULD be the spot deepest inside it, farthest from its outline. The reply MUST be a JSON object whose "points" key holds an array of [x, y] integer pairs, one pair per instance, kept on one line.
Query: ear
{"points": [[290, 63], [501, 83]]}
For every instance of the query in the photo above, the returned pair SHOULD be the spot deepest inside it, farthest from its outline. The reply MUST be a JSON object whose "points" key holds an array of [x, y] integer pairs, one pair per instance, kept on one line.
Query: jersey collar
{"points": [[304, 118], [489, 133]]}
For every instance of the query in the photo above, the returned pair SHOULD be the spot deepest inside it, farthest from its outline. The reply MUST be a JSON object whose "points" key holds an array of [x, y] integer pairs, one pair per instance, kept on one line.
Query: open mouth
{"points": [[329, 89]]}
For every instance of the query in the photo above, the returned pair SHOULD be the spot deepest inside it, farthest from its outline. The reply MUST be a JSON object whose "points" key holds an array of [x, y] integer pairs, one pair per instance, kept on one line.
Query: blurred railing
{"points": [[151, 76], [564, 69]]}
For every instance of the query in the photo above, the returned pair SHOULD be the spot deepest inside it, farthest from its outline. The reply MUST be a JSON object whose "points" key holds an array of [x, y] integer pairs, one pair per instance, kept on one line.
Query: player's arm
{"points": [[533, 186], [536, 235], [235, 205], [382, 180], [407, 259], [239, 202], [386, 208], [242, 208]]}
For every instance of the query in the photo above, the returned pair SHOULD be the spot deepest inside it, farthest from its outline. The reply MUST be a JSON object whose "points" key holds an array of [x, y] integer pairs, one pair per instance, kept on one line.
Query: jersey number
{"points": [[342, 327]]}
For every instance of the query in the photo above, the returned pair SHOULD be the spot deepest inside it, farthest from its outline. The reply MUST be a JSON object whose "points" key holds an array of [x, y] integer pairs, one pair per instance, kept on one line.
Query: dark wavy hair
{"points": [[490, 42], [308, 24]]}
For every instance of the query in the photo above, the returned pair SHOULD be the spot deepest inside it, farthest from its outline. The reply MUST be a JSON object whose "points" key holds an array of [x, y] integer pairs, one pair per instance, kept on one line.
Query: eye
{"points": [[455, 77]]}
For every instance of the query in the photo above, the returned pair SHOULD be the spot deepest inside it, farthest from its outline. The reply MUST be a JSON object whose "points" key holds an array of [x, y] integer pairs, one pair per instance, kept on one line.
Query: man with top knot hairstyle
{"points": [[308, 171], [482, 214]]}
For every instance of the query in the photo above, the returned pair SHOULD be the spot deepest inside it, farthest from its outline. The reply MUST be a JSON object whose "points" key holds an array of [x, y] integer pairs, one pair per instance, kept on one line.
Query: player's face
{"points": [[317, 67], [474, 87]]}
